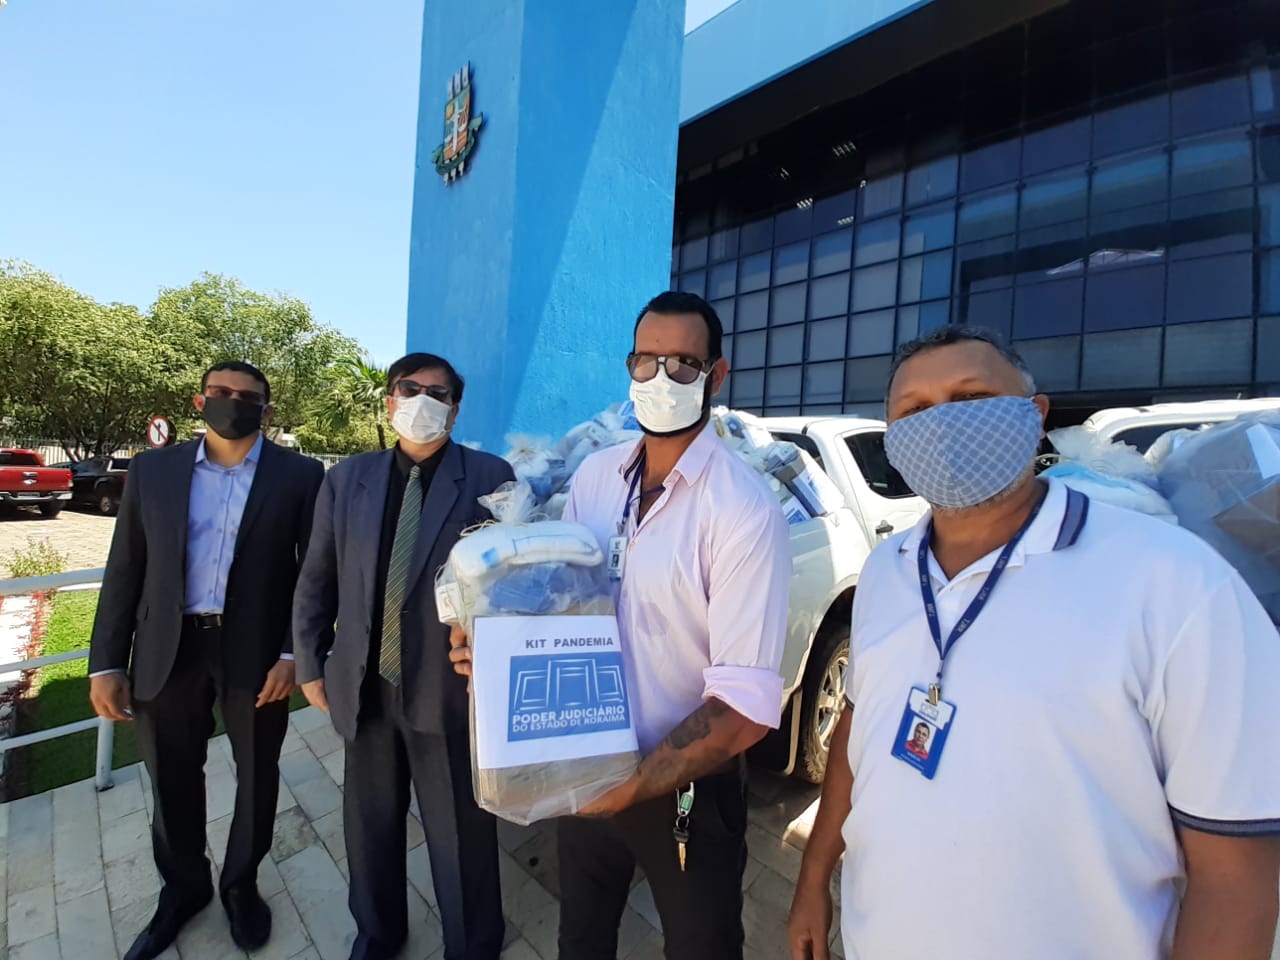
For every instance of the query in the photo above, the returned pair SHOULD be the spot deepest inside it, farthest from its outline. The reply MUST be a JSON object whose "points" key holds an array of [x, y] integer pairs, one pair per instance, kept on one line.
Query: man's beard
{"points": [[999, 498], [696, 425]]}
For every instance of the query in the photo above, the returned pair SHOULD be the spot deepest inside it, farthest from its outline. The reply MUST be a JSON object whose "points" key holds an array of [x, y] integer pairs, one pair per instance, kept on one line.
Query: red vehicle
{"points": [[26, 481]]}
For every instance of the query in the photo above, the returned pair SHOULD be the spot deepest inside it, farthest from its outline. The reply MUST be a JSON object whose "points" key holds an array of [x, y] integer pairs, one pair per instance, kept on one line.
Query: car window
{"points": [[868, 451], [13, 458], [86, 468], [804, 442], [120, 463]]}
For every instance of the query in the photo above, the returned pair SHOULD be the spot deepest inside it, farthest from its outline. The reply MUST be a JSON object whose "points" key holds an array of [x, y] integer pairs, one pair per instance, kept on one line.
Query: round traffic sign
{"points": [[159, 430]]}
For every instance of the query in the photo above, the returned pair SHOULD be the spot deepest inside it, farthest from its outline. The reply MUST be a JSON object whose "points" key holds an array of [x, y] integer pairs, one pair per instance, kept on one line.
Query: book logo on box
{"points": [[559, 695]]}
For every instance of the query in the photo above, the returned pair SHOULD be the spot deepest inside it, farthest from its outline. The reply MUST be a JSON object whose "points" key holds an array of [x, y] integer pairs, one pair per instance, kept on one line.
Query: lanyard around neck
{"points": [[637, 474]]}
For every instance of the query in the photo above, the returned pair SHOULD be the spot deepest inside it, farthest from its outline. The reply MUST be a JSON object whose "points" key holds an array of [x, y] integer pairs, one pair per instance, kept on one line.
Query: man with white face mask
{"points": [[385, 522], [701, 597], [1093, 680]]}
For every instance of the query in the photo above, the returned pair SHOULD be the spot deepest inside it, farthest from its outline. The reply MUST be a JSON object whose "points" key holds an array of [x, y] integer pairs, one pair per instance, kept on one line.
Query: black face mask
{"points": [[232, 419]]}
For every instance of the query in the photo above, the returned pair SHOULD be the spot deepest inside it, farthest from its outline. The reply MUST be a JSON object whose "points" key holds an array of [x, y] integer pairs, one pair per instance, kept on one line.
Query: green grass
{"points": [[63, 697]]}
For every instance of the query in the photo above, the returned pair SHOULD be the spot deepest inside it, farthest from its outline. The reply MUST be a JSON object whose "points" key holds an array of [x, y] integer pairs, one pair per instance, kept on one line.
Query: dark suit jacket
{"points": [[337, 583], [144, 590]]}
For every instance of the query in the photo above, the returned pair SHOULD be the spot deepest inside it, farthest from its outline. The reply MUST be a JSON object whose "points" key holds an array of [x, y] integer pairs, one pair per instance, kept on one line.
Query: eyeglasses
{"points": [[643, 367], [411, 388], [226, 393]]}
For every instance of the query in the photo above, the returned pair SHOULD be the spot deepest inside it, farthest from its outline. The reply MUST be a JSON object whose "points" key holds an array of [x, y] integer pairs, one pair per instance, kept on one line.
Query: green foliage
{"points": [[38, 558], [355, 400]]}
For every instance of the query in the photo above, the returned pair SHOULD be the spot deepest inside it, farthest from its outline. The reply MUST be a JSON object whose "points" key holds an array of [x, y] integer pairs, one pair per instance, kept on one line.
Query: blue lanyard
{"points": [[637, 472], [975, 607]]}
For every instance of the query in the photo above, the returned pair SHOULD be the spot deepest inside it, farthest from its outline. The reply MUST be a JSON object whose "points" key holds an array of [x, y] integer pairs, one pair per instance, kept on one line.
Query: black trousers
{"points": [[462, 840], [700, 909], [173, 733]]}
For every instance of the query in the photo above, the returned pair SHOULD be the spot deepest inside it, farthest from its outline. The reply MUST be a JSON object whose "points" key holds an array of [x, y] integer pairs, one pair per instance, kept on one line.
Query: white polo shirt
{"points": [[702, 606], [1107, 689]]}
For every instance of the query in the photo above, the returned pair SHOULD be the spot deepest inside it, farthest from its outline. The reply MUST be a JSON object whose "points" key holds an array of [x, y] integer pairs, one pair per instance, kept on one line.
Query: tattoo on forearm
{"points": [[686, 753], [696, 726]]}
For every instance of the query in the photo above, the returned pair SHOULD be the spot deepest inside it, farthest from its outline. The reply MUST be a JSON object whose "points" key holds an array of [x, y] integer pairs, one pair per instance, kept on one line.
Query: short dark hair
{"points": [[946, 336], [413, 362], [238, 366], [674, 301]]}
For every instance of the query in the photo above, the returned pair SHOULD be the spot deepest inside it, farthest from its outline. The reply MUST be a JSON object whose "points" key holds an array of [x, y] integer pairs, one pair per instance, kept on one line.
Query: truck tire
{"points": [[107, 505], [51, 509], [823, 691]]}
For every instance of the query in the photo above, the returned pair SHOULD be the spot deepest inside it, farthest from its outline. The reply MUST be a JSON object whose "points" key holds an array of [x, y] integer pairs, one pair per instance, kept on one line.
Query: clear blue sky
{"points": [[145, 141]]}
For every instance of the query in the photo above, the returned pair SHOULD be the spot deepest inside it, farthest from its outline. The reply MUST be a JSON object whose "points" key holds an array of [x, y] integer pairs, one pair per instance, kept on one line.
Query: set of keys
{"points": [[680, 832]]}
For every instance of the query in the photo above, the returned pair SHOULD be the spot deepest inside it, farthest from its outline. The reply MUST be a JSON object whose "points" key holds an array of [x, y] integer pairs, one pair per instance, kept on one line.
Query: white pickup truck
{"points": [[828, 553]]}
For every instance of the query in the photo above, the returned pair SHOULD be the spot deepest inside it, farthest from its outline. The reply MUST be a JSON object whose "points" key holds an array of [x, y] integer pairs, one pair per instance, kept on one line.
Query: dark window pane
{"points": [[826, 339], [753, 311], [871, 333], [724, 310], [873, 462], [1202, 353], [1212, 165], [1121, 360], [722, 280], [925, 278], [985, 266], [921, 318], [1210, 289], [1049, 252], [1130, 182], [1269, 215], [834, 212], [1211, 106], [755, 237], [1054, 199], [748, 390], [929, 229], [874, 287], [877, 241], [788, 304], [748, 350], [694, 254], [1266, 92], [880, 196], [792, 225], [1048, 309], [791, 263], [829, 296], [1269, 295], [786, 344], [991, 311], [988, 166], [865, 379], [1057, 146], [1130, 63], [1269, 349], [989, 215], [831, 252], [694, 283], [823, 382], [754, 273], [1137, 228], [1054, 362], [723, 245], [1131, 126], [1269, 157], [1119, 299], [1212, 223], [932, 181]]}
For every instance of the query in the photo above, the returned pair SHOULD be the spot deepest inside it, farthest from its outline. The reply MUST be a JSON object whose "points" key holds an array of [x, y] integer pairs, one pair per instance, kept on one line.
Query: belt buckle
{"points": [[209, 621]]}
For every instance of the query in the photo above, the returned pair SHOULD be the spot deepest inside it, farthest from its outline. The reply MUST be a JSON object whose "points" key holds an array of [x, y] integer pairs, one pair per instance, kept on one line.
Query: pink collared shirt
{"points": [[702, 606]]}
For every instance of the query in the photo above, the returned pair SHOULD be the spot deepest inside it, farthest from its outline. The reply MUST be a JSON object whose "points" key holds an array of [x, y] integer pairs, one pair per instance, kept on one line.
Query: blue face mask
{"points": [[960, 455]]}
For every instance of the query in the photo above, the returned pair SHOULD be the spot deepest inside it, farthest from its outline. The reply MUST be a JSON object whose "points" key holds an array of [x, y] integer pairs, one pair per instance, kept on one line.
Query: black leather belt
{"points": [[204, 621]]}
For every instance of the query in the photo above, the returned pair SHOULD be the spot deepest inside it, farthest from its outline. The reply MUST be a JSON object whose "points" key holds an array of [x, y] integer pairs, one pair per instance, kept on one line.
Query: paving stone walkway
{"points": [[77, 880]]}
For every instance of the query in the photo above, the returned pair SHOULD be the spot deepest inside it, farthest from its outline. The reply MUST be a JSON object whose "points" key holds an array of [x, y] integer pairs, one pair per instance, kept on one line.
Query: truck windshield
{"points": [[868, 450], [15, 458]]}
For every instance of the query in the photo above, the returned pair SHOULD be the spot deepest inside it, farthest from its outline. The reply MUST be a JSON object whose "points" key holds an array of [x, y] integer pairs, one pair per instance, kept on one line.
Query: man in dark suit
{"points": [[385, 523], [195, 606]]}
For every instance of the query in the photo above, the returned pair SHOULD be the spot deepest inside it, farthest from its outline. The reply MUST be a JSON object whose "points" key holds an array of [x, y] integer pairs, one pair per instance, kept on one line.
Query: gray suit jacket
{"points": [[139, 619], [333, 604]]}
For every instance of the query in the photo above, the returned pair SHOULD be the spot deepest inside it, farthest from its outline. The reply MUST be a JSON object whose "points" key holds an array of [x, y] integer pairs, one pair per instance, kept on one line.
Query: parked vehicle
{"points": [[827, 556], [1142, 426], [26, 481], [98, 483]]}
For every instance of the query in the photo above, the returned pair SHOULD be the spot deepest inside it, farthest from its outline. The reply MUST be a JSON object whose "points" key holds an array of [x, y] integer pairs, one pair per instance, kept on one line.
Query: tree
{"points": [[355, 396]]}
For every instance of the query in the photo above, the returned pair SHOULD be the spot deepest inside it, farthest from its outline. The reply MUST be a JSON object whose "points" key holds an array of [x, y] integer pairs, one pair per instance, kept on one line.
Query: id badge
{"points": [[617, 558], [923, 732]]}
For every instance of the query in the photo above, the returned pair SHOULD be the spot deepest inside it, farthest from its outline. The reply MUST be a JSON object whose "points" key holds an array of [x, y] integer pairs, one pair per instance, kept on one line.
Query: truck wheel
{"points": [[51, 509], [106, 505], [823, 691]]}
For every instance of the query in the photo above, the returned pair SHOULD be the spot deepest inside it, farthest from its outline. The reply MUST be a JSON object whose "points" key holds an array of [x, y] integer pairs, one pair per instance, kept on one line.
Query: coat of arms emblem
{"points": [[460, 128]]}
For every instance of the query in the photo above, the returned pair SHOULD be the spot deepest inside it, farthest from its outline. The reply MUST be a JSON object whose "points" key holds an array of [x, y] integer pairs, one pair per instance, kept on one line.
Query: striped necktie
{"points": [[398, 576]]}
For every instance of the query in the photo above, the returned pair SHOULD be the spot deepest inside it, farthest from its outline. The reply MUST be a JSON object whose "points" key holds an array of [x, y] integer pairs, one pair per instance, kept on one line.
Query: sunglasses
{"points": [[643, 367], [226, 393], [411, 388]]}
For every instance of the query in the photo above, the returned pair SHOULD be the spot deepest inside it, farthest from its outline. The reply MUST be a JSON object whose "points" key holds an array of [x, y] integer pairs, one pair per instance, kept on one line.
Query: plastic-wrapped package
{"points": [[1109, 459], [1224, 484], [551, 728], [606, 429], [1118, 491], [536, 461], [800, 473]]}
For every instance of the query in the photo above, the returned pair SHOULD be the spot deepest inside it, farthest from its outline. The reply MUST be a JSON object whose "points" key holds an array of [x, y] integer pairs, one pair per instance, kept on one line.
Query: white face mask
{"points": [[421, 419], [664, 406]]}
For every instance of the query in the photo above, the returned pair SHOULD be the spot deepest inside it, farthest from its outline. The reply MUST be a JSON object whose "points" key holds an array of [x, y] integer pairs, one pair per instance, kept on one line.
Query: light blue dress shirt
{"points": [[214, 512]]}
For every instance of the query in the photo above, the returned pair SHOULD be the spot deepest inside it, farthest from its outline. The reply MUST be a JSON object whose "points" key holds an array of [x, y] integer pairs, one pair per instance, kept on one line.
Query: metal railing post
{"points": [[106, 745]]}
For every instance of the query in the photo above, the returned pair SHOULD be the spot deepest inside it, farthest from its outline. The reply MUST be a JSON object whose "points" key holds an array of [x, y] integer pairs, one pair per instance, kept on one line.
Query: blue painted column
{"points": [[528, 269]]}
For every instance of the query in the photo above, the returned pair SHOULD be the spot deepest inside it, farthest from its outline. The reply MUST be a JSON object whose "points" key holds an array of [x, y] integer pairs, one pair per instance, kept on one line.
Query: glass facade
{"points": [[1101, 184]]}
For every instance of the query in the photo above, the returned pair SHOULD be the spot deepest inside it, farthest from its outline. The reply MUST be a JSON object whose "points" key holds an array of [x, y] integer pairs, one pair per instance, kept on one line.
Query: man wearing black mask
{"points": [[196, 607]]}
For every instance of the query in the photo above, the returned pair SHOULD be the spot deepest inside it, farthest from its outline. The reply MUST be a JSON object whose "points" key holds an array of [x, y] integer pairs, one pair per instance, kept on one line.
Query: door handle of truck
{"points": [[884, 529]]}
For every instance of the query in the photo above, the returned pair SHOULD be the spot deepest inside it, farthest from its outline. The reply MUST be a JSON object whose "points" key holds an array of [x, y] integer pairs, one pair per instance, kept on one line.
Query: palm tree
{"points": [[358, 390]]}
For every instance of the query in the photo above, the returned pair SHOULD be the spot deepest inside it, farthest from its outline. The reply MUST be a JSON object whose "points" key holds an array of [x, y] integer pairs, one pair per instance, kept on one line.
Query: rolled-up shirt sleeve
{"points": [[749, 590]]}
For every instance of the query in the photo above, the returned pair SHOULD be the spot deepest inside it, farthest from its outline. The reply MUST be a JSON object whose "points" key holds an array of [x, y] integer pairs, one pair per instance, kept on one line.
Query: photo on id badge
{"points": [[922, 735]]}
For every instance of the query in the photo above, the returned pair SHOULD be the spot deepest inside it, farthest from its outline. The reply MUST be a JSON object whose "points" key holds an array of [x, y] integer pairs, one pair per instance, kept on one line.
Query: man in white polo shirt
{"points": [[702, 593], [1099, 691]]}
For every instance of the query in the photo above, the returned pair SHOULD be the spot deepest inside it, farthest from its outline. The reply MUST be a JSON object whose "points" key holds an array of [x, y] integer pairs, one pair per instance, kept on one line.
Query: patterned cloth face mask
{"points": [[963, 454]]}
